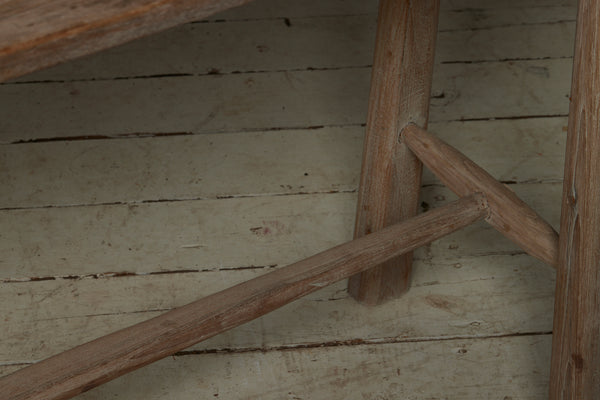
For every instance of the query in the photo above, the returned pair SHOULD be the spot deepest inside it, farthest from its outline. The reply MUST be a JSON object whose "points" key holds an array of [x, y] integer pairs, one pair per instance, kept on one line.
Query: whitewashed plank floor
{"points": [[147, 176]]}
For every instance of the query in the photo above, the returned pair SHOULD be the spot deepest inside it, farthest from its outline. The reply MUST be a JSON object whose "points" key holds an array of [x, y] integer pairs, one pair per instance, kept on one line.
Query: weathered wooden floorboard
{"points": [[474, 283], [459, 297], [191, 235], [207, 104], [283, 162], [480, 369], [313, 372]]}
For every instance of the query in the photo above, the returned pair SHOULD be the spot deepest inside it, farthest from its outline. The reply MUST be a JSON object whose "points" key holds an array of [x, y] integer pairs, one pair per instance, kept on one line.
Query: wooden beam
{"points": [[82, 368], [509, 214], [35, 34], [575, 371], [391, 175]]}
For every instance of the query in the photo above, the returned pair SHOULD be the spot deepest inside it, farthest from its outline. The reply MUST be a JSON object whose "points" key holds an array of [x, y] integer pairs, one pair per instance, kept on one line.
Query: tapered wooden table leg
{"points": [[575, 371], [391, 175]]}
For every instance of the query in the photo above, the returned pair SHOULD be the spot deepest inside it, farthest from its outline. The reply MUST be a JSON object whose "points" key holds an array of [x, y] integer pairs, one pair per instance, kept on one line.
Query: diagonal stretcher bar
{"points": [[482, 197], [84, 367]]}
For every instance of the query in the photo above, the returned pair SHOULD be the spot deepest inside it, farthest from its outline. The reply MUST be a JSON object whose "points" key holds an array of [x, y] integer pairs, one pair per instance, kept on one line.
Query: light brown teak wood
{"points": [[36, 33], [509, 214], [391, 174], [82, 368], [575, 371]]}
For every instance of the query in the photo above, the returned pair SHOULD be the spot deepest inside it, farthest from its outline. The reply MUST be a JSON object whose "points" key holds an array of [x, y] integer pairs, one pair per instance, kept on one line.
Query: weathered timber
{"points": [[391, 174], [35, 34], [89, 365], [509, 214]]}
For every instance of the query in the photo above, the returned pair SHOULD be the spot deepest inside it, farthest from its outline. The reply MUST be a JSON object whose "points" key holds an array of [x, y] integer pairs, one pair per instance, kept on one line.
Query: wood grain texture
{"points": [[452, 295], [160, 237], [269, 101], [391, 176], [334, 42], [575, 372], [509, 214], [35, 34], [357, 372], [82, 368]]}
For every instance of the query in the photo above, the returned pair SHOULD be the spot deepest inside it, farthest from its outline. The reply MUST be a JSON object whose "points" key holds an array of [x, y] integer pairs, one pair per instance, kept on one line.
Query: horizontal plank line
{"points": [[151, 310], [489, 28], [342, 343], [126, 274], [213, 72], [518, 117], [356, 342], [138, 135], [151, 201], [549, 181], [122, 274], [507, 60], [216, 72], [286, 20], [114, 78], [150, 135], [503, 7]]}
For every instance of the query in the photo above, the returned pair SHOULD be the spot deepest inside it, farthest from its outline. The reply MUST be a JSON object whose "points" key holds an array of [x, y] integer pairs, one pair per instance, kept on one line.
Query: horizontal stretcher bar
{"points": [[89, 365]]}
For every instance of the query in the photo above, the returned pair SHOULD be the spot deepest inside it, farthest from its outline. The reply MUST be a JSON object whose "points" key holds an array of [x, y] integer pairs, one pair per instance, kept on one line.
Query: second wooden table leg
{"points": [[575, 372], [391, 174]]}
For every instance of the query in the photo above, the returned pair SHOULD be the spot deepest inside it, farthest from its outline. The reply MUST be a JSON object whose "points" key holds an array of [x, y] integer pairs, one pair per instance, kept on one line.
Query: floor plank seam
{"points": [[126, 274], [329, 344], [123, 274], [178, 200], [357, 342], [549, 181], [516, 117], [492, 27], [212, 72], [150, 135], [506, 60], [217, 72], [282, 18]]}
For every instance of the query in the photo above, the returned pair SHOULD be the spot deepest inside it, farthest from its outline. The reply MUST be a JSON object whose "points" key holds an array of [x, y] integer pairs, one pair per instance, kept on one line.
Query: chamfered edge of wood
{"points": [[89, 365], [508, 213], [34, 35]]}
